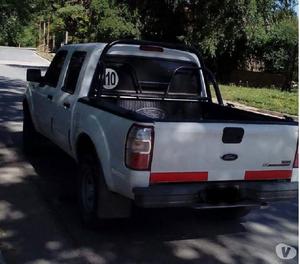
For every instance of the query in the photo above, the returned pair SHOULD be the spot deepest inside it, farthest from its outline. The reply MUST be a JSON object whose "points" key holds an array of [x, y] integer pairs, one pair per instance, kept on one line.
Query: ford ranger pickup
{"points": [[141, 120]]}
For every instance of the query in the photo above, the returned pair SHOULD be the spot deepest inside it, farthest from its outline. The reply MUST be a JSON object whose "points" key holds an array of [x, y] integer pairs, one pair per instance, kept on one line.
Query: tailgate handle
{"points": [[232, 135]]}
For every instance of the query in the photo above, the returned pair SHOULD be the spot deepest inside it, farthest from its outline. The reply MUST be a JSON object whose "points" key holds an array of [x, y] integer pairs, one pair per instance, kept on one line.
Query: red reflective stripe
{"points": [[160, 177], [268, 175]]}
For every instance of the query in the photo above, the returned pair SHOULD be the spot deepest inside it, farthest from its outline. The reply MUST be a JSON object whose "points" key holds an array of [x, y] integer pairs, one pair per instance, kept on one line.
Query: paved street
{"points": [[39, 220], [20, 57]]}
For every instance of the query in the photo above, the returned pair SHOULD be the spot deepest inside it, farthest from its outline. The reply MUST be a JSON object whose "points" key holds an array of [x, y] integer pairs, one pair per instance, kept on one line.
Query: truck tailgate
{"points": [[188, 152]]}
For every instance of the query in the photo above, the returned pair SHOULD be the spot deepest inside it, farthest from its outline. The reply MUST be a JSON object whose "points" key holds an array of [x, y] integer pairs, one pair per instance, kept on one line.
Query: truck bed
{"points": [[180, 111]]}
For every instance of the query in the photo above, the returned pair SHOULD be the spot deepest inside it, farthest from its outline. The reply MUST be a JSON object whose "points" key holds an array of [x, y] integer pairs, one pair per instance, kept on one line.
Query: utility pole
{"points": [[66, 37]]}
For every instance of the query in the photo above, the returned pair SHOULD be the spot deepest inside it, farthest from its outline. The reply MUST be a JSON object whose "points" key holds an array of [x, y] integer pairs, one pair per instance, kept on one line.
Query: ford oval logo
{"points": [[229, 157]]}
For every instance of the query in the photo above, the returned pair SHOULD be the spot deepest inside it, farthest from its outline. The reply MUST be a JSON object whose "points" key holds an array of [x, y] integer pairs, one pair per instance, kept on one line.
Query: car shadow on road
{"points": [[161, 235], [142, 239], [27, 234], [148, 231], [58, 182]]}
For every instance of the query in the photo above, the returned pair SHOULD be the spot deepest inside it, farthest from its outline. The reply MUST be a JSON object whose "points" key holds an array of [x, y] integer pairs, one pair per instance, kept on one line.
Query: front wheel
{"points": [[30, 136]]}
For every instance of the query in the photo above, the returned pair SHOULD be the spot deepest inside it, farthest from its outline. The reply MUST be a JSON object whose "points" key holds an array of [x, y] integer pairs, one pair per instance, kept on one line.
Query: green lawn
{"points": [[262, 98]]}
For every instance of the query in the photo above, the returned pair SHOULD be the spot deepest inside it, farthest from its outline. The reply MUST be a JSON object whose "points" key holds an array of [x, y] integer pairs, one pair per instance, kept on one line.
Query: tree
{"points": [[273, 38], [13, 14], [228, 32], [110, 21], [160, 20], [72, 18], [215, 27]]}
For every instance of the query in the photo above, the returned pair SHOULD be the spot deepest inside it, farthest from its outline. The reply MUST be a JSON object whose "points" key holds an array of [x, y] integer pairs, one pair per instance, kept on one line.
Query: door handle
{"points": [[50, 97], [66, 105]]}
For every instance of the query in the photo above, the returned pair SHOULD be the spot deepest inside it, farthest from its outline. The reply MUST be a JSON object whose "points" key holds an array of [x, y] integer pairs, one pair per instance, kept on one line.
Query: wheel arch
{"points": [[85, 143], [111, 205]]}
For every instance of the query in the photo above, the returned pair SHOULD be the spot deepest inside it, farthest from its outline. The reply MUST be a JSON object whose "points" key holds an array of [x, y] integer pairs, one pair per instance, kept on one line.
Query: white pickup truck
{"points": [[139, 119]]}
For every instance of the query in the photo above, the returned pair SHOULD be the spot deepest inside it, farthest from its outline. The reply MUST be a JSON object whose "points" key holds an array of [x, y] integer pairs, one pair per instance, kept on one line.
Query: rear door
{"points": [[64, 102], [222, 152]]}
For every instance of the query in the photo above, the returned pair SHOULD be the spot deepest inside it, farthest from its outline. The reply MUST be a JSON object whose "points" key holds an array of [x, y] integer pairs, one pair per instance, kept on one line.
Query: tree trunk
{"points": [[48, 35], [40, 35], [44, 35], [53, 42]]}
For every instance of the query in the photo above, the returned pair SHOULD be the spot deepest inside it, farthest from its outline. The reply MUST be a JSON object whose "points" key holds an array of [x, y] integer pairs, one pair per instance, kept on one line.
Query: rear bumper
{"points": [[215, 194]]}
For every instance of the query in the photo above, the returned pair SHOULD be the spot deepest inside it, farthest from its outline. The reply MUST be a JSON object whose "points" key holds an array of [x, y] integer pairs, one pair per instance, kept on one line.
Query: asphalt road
{"points": [[39, 218]]}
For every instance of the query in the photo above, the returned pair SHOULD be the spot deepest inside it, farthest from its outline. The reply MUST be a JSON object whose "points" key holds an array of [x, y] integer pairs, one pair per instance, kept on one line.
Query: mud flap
{"points": [[112, 205]]}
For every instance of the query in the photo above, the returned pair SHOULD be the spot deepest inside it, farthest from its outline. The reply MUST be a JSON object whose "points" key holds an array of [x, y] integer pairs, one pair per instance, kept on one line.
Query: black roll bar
{"points": [[181, 68], [181, 47], [215, 85]]}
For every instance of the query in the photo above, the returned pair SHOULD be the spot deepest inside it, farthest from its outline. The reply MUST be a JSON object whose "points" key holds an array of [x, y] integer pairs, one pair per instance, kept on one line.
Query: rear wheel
{"points": [[88, 189]]}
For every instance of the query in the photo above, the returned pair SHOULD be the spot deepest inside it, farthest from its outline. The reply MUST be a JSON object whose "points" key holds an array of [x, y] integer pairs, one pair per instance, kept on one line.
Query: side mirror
{"points": [[34, 75]]}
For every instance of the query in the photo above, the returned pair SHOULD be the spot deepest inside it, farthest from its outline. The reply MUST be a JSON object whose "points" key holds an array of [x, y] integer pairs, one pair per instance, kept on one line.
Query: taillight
{"points": [[139, 146], [296, 161]]}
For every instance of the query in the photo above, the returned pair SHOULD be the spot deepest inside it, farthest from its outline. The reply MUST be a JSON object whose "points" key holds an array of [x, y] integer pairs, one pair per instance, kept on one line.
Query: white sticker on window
{"points": [[111, 79]]}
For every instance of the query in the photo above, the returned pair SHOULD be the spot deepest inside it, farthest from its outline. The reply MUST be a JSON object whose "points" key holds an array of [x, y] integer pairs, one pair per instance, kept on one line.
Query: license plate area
{"points": [[221, 194]]}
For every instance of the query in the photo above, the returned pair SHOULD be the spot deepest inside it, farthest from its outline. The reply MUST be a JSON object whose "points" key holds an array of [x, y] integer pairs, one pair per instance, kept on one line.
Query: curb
{"points": [[14, 63], [42, 58]]}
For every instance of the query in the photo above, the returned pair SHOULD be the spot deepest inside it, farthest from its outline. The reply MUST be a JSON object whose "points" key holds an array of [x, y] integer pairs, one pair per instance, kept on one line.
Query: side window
{"points": [[73, 72], [54, 70]]}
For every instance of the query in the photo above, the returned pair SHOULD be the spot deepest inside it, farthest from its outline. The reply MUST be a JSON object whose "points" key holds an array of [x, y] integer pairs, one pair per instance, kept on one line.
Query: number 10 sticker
{"points": [[111, 79]]}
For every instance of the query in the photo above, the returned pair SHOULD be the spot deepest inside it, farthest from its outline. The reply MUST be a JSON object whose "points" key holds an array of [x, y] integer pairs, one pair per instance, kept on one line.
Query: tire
{"points": [[31, 138], [88, 191]]}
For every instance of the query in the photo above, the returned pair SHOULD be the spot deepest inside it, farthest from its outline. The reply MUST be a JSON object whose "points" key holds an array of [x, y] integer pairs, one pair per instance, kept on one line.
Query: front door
{"points": [[43, 94]]}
